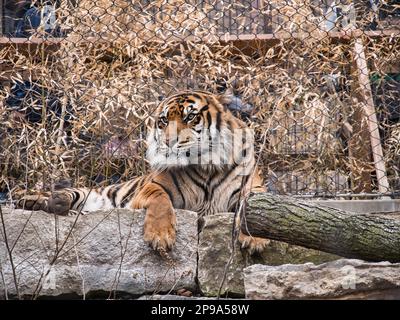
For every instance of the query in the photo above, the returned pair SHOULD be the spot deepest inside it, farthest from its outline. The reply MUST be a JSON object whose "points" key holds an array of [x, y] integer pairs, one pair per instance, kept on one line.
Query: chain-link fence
{"points": [[318, 80]]}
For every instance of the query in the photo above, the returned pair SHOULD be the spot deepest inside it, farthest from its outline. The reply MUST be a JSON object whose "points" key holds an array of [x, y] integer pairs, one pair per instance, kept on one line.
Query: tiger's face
{"points": [[194, 128]]}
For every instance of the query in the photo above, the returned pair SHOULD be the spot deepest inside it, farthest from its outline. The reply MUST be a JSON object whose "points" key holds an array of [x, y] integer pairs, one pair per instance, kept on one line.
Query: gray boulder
{"points": [[341, 279], [104, 253], [215, 247]]}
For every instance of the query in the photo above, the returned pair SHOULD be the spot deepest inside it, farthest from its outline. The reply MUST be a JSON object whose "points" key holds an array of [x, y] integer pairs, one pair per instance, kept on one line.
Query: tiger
{"points": [[201, 158]]}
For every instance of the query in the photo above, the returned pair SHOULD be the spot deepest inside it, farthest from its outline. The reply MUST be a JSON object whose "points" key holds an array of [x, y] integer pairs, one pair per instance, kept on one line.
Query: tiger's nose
{"points": [[187, 139], [170, 141]]}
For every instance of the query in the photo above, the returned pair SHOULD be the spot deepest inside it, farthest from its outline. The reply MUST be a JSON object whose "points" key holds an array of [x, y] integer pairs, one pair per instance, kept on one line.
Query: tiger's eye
{"points": [[190, 117]]}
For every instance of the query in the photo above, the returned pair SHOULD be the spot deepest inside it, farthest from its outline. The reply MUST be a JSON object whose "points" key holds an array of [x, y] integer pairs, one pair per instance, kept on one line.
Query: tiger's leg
{"points": [[62, 201], [248, 242], [57, 202], [33, 202], [160, 220]]}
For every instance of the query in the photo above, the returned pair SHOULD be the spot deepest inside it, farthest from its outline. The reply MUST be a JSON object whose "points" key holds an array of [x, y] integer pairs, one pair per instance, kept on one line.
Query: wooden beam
{"points": [[1, 16], [359, 150], [370, 112], [344, 35], [32, 40]]}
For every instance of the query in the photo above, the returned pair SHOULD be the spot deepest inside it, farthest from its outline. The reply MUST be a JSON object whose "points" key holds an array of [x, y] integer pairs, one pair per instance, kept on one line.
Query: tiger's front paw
{"points": [[159, 230], [59, 203], [32, 202], [253, 244]]}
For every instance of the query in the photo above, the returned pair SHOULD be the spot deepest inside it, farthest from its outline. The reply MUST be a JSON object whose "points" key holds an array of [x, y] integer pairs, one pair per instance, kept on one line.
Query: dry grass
{"points": [[118, 60]]}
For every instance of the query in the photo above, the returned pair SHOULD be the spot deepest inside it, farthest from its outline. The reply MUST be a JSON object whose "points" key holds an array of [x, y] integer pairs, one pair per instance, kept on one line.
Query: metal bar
{"points": [[345, 35], [347, 195]]}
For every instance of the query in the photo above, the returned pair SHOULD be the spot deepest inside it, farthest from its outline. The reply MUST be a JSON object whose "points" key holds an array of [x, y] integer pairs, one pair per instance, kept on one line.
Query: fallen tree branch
{"points": [[362, 236]]}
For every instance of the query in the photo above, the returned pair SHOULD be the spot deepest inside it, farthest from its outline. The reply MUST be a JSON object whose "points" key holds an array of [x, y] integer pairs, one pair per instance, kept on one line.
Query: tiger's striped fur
{"points": [[201, 159]]}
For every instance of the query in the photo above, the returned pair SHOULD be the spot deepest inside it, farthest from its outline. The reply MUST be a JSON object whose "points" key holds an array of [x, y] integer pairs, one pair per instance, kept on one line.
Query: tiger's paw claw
{"points": [[253, 244], [160, 239]]}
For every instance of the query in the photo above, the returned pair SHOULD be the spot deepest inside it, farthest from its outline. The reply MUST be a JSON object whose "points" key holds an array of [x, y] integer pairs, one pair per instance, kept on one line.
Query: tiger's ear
{"points": [[226, 97]]}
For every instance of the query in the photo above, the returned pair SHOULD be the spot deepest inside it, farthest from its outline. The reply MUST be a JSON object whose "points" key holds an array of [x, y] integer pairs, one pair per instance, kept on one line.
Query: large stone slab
{"points": [[215, 247], [104, 252], [341, 279]]}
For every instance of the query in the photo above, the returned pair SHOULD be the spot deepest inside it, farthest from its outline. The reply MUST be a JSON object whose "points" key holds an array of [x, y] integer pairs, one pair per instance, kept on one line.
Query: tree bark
{"points": [[360, 236]]}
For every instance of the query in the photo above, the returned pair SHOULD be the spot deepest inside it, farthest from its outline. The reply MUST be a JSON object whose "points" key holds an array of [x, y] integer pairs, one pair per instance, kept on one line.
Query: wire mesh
{"points": [[319, 78]]}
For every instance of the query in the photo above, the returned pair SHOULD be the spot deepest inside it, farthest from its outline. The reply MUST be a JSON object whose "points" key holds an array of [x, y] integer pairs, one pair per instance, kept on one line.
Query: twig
{"points": [[79, 268], [4, 281], [10, 255], [241, 212]]}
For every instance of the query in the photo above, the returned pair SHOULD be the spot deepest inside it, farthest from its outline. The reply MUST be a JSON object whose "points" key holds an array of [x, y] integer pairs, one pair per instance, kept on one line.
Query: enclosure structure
{"points": [[318, 81]]}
